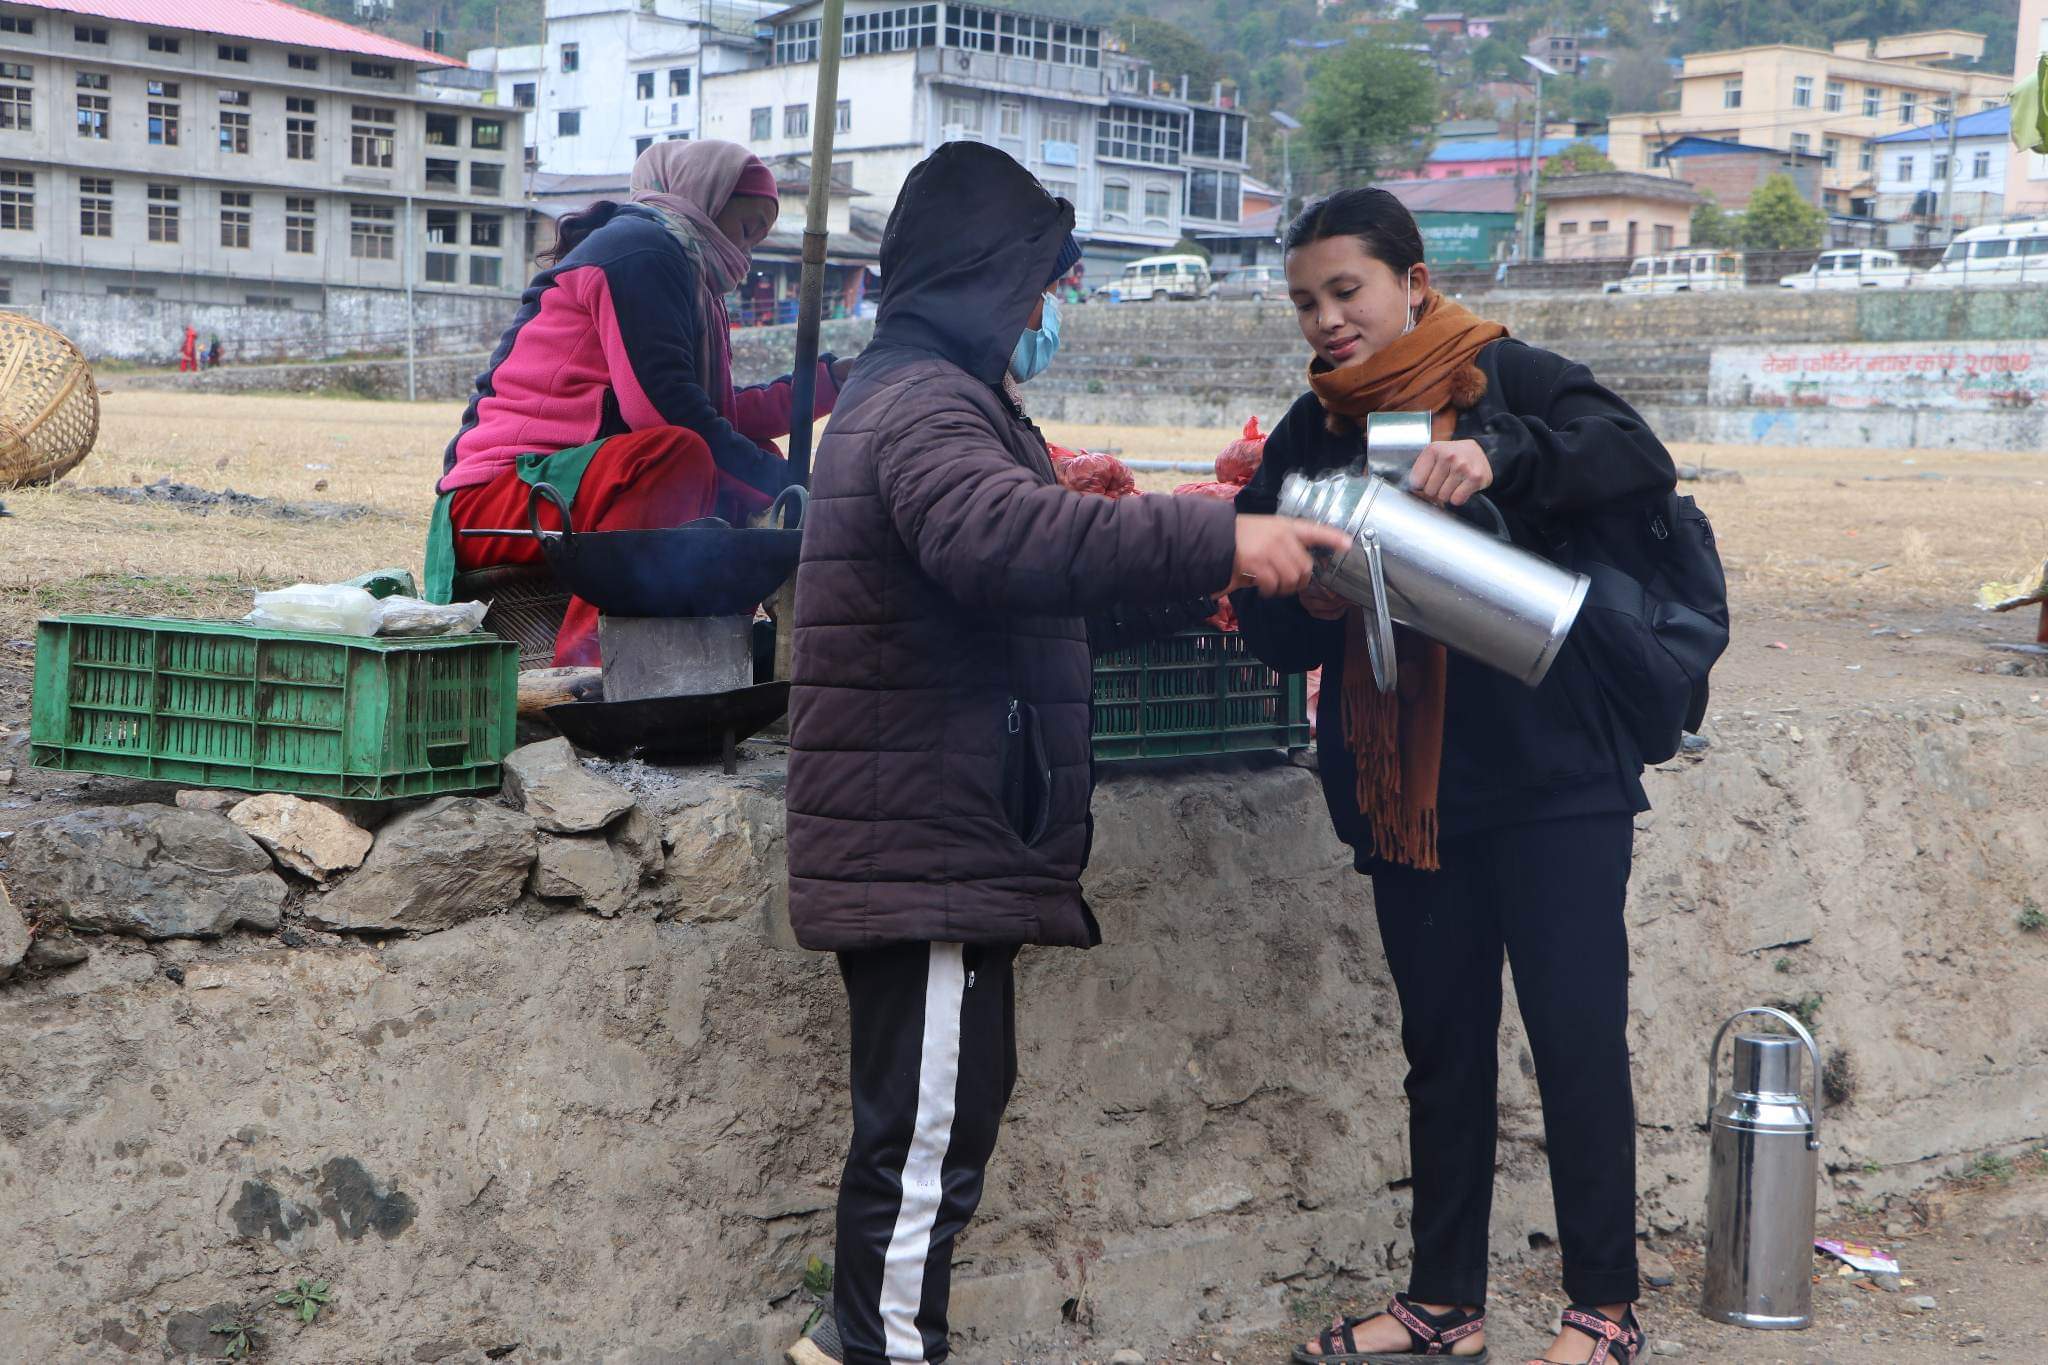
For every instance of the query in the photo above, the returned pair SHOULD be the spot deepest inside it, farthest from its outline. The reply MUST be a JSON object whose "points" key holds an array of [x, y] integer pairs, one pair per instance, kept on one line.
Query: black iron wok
{"points": [[707, 568]]}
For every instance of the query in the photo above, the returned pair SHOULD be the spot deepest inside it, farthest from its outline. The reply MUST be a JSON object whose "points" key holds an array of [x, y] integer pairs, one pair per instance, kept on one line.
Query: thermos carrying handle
{"points": [[1379, 638], [1812, 1094]]}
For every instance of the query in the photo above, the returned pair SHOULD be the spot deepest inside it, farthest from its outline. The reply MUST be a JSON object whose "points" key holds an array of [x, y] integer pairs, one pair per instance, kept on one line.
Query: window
{"points": [[131, 291], [163, 113], [842, 117], [1731, 93], [84, 34], [1060, 189], [1022, 36], [1873, 100], [92, 109], [1010, 119], [797, 42], [375, 71], [1980, 166], [759, 124], [1830, 151], [444, 130], [1943, 107], [163, 213], [372, 133], [486, 177], [17, 201], [238, 99], [1213, 194], [230, 52], [643, 85], [444, 227], [796, 120], [372, 231], [487, 134], [678, 82], [299, 128], [443, 267], [1059, 128], [522, 95], [569, 123], [1802, 144], [1568, 228], [11, 23], [17, 102], [890, 30], [965, 111], [677, 137], [95, 207], [301, 220], [1158, 203], [1802, 92], [486, 270], [486, 229], [1116, 200], [1139, 135], [572, 57], [443, 174], [1598, 225], [1941, 166], [1865, 158], [1832, 101], [1905, 171], [234, 131], [267, 300], [302, 61], [162, 42], [641, 144], [1664, 236], [1909, 106], [234, 218]]}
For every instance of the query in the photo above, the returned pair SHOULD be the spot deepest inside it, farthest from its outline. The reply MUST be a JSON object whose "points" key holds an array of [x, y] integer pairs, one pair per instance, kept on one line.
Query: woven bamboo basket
{"points": [[49, 406]]}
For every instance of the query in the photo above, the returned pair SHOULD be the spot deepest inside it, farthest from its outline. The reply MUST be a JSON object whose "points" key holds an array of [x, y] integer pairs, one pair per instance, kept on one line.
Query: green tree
{"points": [[1780, 219], [1592, 101], [1712, 227], [1579, 158], [1368, 104], [1173, 52]]}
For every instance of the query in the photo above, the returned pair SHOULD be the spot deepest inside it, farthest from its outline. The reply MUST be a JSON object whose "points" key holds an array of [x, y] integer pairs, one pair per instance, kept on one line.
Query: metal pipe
{"points": [[817, 210]]}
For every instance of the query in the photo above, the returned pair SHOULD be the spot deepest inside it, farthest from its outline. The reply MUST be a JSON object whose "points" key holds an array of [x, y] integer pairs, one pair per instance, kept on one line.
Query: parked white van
{"points": [[1854, 268], [1160, 278], [2005, 253], [1681, 272]]}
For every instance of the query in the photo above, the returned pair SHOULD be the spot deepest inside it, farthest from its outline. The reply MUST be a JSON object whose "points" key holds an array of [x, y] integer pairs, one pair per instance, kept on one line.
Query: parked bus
{"points": [[2005, 253], [1681, 272]]}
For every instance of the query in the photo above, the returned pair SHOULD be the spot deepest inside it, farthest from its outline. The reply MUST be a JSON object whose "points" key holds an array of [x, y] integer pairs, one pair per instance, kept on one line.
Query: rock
{"points": [[303, 837], [1925, 1303], [1127, 1356], [1889, 1283], [220, 803], [1895, 1229], [550, 784], [1665, 1346], [638, 838], [48, 952], [585, 868], [1656, 1269], [6, 777], [1976, 1335], [14, 939], [434, 867], [151, 871], [725, 854]]}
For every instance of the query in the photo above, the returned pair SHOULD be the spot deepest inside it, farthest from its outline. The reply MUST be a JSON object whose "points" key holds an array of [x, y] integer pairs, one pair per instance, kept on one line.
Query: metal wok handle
{"points": [[547, 492], [1812, 1093], [796, 497]]}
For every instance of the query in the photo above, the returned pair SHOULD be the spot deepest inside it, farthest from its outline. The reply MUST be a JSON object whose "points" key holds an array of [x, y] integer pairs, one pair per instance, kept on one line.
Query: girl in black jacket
{"points": [[1494, 819]]}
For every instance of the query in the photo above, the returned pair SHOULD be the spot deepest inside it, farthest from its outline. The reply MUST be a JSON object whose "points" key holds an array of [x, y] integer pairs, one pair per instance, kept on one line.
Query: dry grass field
{"points": [[1805, 529]]}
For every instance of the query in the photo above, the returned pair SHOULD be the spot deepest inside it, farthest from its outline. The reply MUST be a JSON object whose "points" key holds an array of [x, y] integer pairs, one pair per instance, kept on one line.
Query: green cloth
{"points": [[564, 470], [2030, 110]]}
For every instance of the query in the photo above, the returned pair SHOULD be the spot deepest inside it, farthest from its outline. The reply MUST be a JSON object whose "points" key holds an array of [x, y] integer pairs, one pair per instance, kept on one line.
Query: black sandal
{"points": [[1429, 1334], [1615, 1343]]}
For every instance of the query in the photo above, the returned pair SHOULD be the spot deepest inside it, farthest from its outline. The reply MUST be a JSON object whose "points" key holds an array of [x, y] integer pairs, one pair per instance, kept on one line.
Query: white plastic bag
{"points": [[323, 608], [411, 616]]}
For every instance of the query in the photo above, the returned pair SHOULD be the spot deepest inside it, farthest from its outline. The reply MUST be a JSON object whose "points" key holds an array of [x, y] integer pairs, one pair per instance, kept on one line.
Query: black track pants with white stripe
{"points": [[934, 1060]]}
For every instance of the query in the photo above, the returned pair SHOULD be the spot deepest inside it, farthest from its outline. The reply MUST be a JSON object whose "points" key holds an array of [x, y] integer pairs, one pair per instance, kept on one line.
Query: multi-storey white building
{"points": [[609, 78], [1936, 181], [246, 155], [1143, 163]]}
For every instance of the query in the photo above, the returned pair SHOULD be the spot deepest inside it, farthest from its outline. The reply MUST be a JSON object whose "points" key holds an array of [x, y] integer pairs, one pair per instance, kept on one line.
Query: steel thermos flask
{"points": [[1762, 1178]]}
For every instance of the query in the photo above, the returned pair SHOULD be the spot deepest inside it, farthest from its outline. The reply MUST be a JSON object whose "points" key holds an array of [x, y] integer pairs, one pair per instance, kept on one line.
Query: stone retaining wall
{"points": [[616, 1138]]}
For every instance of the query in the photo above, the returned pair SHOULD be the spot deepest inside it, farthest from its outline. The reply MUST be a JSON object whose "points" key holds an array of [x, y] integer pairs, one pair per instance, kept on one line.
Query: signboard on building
{"points": [[1966, 376], [1463, 238]]}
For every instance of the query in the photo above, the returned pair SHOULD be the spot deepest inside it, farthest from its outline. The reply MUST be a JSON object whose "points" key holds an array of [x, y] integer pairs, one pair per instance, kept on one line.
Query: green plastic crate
{"points": [[1198, 692], [219, 704]]}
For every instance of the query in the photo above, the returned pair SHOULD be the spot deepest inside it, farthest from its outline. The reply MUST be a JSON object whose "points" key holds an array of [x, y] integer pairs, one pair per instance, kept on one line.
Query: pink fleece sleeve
{"points": [[761, 411]]}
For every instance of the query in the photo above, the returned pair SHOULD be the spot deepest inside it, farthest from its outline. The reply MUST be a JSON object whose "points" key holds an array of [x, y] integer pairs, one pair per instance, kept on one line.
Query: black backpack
{"points": [[1656, 616]]}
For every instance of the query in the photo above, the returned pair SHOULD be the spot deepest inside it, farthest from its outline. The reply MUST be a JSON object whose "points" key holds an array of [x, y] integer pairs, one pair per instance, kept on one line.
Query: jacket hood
{"points": [[973, 241]]}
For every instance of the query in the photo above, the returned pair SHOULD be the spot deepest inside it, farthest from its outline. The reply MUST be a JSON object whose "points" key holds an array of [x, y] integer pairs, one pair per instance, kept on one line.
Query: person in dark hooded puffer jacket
{"points": [[939, 770]]}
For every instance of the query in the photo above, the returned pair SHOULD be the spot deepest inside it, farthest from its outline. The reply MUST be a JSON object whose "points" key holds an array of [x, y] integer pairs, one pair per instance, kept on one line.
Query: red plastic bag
{"points": [[1241, 458], [1104, 475], [1225, 491]]}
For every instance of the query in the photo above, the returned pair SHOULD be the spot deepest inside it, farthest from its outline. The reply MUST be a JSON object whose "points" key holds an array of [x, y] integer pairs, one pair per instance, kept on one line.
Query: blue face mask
{"points": [[1035, 348]]}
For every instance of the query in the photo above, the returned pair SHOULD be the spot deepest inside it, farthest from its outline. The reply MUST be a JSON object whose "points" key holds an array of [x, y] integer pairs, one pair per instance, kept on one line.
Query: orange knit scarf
{"points": [[1396, 739]]}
